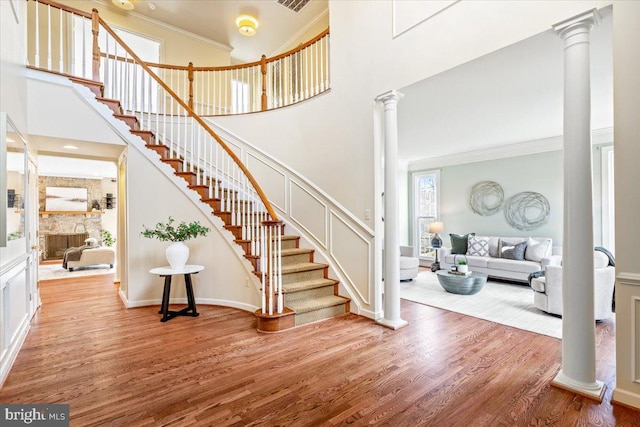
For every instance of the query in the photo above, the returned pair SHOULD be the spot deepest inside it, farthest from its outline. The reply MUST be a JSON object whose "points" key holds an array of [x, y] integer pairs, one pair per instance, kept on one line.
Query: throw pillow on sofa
{"points": [[459, 243], [477, 246], [514, 252], [537, 249]]}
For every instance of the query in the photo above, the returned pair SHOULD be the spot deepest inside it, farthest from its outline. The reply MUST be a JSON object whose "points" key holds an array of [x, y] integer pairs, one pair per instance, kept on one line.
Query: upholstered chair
{"points": [[408, 263], [547, 295]]}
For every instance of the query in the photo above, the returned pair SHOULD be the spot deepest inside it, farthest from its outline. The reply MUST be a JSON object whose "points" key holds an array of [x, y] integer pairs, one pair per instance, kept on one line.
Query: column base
{"points": [[593, 391], [392, 324]]}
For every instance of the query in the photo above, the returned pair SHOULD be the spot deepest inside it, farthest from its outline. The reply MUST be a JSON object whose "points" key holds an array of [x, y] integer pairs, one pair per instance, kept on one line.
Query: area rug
{"points": [[499, 302], [55, 271]]}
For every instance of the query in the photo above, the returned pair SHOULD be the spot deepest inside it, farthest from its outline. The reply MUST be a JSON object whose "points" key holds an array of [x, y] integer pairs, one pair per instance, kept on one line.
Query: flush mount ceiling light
{"points": [[124, 4], [247, 25]]}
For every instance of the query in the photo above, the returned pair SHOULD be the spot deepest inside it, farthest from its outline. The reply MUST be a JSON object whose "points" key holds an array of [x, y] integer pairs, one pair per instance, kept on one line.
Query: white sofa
{"points": [[501, 268], [547, 294], [94, 256]]}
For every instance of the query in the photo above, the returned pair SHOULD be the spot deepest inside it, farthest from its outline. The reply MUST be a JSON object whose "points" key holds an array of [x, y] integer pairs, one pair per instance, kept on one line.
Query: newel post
{"points": [[190, 76], [95, 64], [263, 70]]}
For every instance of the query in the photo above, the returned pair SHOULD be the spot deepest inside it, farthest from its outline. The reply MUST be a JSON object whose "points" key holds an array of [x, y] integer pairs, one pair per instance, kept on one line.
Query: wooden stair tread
{"points": [[305, 306], [308, 284], [128, 116], [103, 99], [303, 266], [296, 251]]}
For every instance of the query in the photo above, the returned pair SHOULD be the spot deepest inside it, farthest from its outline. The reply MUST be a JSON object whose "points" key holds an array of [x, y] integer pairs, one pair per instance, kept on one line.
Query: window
{"points": [[148, 50], [239, 96], [425, 202]]}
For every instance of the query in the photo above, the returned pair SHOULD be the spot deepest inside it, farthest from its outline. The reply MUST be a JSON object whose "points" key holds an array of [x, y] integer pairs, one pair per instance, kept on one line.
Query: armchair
{"points": [[408, 263], [547, 295]]}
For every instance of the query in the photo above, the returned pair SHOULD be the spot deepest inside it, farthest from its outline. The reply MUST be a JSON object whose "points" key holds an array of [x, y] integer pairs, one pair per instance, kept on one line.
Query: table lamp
{"points": [[436, 241]]}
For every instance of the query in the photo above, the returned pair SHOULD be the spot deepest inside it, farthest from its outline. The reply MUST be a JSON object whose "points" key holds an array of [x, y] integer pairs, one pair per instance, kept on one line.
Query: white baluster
{"points": [[279, 268], [61, 47], [49, 36], [263, 268]]}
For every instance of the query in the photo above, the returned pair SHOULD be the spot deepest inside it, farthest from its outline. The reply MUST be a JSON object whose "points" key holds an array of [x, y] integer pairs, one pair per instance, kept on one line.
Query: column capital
{"points": [[584, 21], [389, 96]]}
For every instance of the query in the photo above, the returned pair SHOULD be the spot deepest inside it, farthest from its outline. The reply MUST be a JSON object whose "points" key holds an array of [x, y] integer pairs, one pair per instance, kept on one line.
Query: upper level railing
{"points": [[163, 118], [282, 80], [62, 42]]}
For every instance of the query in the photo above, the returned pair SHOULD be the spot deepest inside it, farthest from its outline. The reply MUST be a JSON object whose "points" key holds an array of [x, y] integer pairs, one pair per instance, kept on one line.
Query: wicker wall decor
{"points": [[486, 198], [527, 210]]}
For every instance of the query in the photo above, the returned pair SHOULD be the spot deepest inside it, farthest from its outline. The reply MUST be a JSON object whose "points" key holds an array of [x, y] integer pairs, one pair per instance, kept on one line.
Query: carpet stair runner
{"points": [[309, 295]]}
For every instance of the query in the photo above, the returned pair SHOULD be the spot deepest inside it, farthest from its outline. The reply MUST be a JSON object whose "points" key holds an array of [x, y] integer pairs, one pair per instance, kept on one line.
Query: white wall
{"points": [[626, 68], [13, 56], [541, 173], [14, 278], [153, 197], [330, 139], [110, 217]]}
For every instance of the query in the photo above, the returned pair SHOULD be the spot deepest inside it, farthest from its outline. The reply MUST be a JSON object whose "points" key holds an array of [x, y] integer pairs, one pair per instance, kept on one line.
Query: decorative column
{"points": [[578, 373], [391, 217]]}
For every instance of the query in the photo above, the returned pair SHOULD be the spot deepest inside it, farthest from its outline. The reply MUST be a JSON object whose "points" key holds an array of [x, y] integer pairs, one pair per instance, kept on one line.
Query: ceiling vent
{"points": [[295, 5]]}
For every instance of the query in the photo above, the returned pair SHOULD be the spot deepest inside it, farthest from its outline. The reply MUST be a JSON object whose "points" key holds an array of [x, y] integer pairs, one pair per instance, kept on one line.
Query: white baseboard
{"points": [[199, 301], [13, 350], [626, 398]]}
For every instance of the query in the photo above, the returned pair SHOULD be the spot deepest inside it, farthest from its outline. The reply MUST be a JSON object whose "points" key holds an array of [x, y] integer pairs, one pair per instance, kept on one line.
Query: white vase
{"points": [[177, 255], [463, 268]]}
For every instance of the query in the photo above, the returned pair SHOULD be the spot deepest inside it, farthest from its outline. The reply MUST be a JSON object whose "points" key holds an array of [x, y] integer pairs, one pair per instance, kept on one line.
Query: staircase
{"points": [[309, 294]]}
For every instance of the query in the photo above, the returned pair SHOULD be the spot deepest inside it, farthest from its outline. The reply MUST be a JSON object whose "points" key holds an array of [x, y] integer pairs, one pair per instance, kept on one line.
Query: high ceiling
{"points": [[215, 20], [509, 96]]}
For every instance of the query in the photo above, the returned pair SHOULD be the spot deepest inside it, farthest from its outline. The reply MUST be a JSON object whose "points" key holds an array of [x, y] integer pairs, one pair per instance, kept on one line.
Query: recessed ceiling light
{"points": [[70, 147], [152, 6], [10, 140]]}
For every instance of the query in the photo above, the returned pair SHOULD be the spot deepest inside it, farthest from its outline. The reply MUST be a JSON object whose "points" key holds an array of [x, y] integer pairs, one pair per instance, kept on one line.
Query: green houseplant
{"points": [[107, 238], [177, 253], [463, 265]]}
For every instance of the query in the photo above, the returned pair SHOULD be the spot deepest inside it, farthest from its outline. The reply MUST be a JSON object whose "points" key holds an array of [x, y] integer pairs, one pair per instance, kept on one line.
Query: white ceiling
{"points": [[509, 96], [75, 167], [215, 20]]}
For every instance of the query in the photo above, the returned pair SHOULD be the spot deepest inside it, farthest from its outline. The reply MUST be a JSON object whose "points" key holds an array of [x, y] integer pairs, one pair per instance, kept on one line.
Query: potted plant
{"points": [[177, 253], [463, 266], [107, 238]]}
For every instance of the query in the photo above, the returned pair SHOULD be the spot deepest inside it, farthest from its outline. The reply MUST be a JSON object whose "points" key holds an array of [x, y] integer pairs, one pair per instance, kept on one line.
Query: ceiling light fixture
{"points": [[247, 25], [70, 147], [124, 4]]}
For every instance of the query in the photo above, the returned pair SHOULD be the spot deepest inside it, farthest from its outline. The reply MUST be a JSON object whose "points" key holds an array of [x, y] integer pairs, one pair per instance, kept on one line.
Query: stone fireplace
{"points": [[78, 225]]}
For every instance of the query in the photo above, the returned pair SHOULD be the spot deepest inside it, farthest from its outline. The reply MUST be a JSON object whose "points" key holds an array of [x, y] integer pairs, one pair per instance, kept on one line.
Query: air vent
{"points": [[294, 5]]}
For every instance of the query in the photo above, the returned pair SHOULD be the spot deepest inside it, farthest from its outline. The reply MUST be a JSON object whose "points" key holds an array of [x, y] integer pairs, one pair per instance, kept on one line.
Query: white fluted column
{"points": [[578, 373], [391, 217]]}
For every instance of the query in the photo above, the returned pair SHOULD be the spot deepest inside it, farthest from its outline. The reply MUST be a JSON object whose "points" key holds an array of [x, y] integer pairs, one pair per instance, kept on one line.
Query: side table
{"points": [[167, 272]]}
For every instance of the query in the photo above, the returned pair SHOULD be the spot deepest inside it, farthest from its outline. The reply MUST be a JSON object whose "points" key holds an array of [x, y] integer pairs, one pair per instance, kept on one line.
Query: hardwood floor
{"points": [[122, 367]]}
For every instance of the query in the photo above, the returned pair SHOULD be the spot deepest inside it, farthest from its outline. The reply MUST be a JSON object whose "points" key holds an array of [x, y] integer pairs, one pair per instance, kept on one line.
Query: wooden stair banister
{"points": [[295, 289], [202, 123]]}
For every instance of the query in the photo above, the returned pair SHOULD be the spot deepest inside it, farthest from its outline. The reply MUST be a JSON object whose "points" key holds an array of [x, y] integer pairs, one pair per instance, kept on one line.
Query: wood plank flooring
{"points": [[120, 367]]}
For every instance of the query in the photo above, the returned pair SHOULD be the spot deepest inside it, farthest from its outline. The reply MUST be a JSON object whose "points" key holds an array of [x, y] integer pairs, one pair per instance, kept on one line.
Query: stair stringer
{"points": [[365, 303], [135, 142]]}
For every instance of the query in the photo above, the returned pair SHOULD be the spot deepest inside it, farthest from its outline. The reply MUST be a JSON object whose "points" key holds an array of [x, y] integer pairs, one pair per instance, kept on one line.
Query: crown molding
{"points": [[300, 33], [222, 46], [523, 148]]}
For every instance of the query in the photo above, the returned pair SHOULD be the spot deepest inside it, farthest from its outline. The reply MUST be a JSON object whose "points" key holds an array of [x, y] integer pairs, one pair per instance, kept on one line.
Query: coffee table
{"points": [[462, 285]]}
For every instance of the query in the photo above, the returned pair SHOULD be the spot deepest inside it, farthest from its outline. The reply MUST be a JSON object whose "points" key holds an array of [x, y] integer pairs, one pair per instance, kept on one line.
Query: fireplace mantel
{"points": [[87, 213]]}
